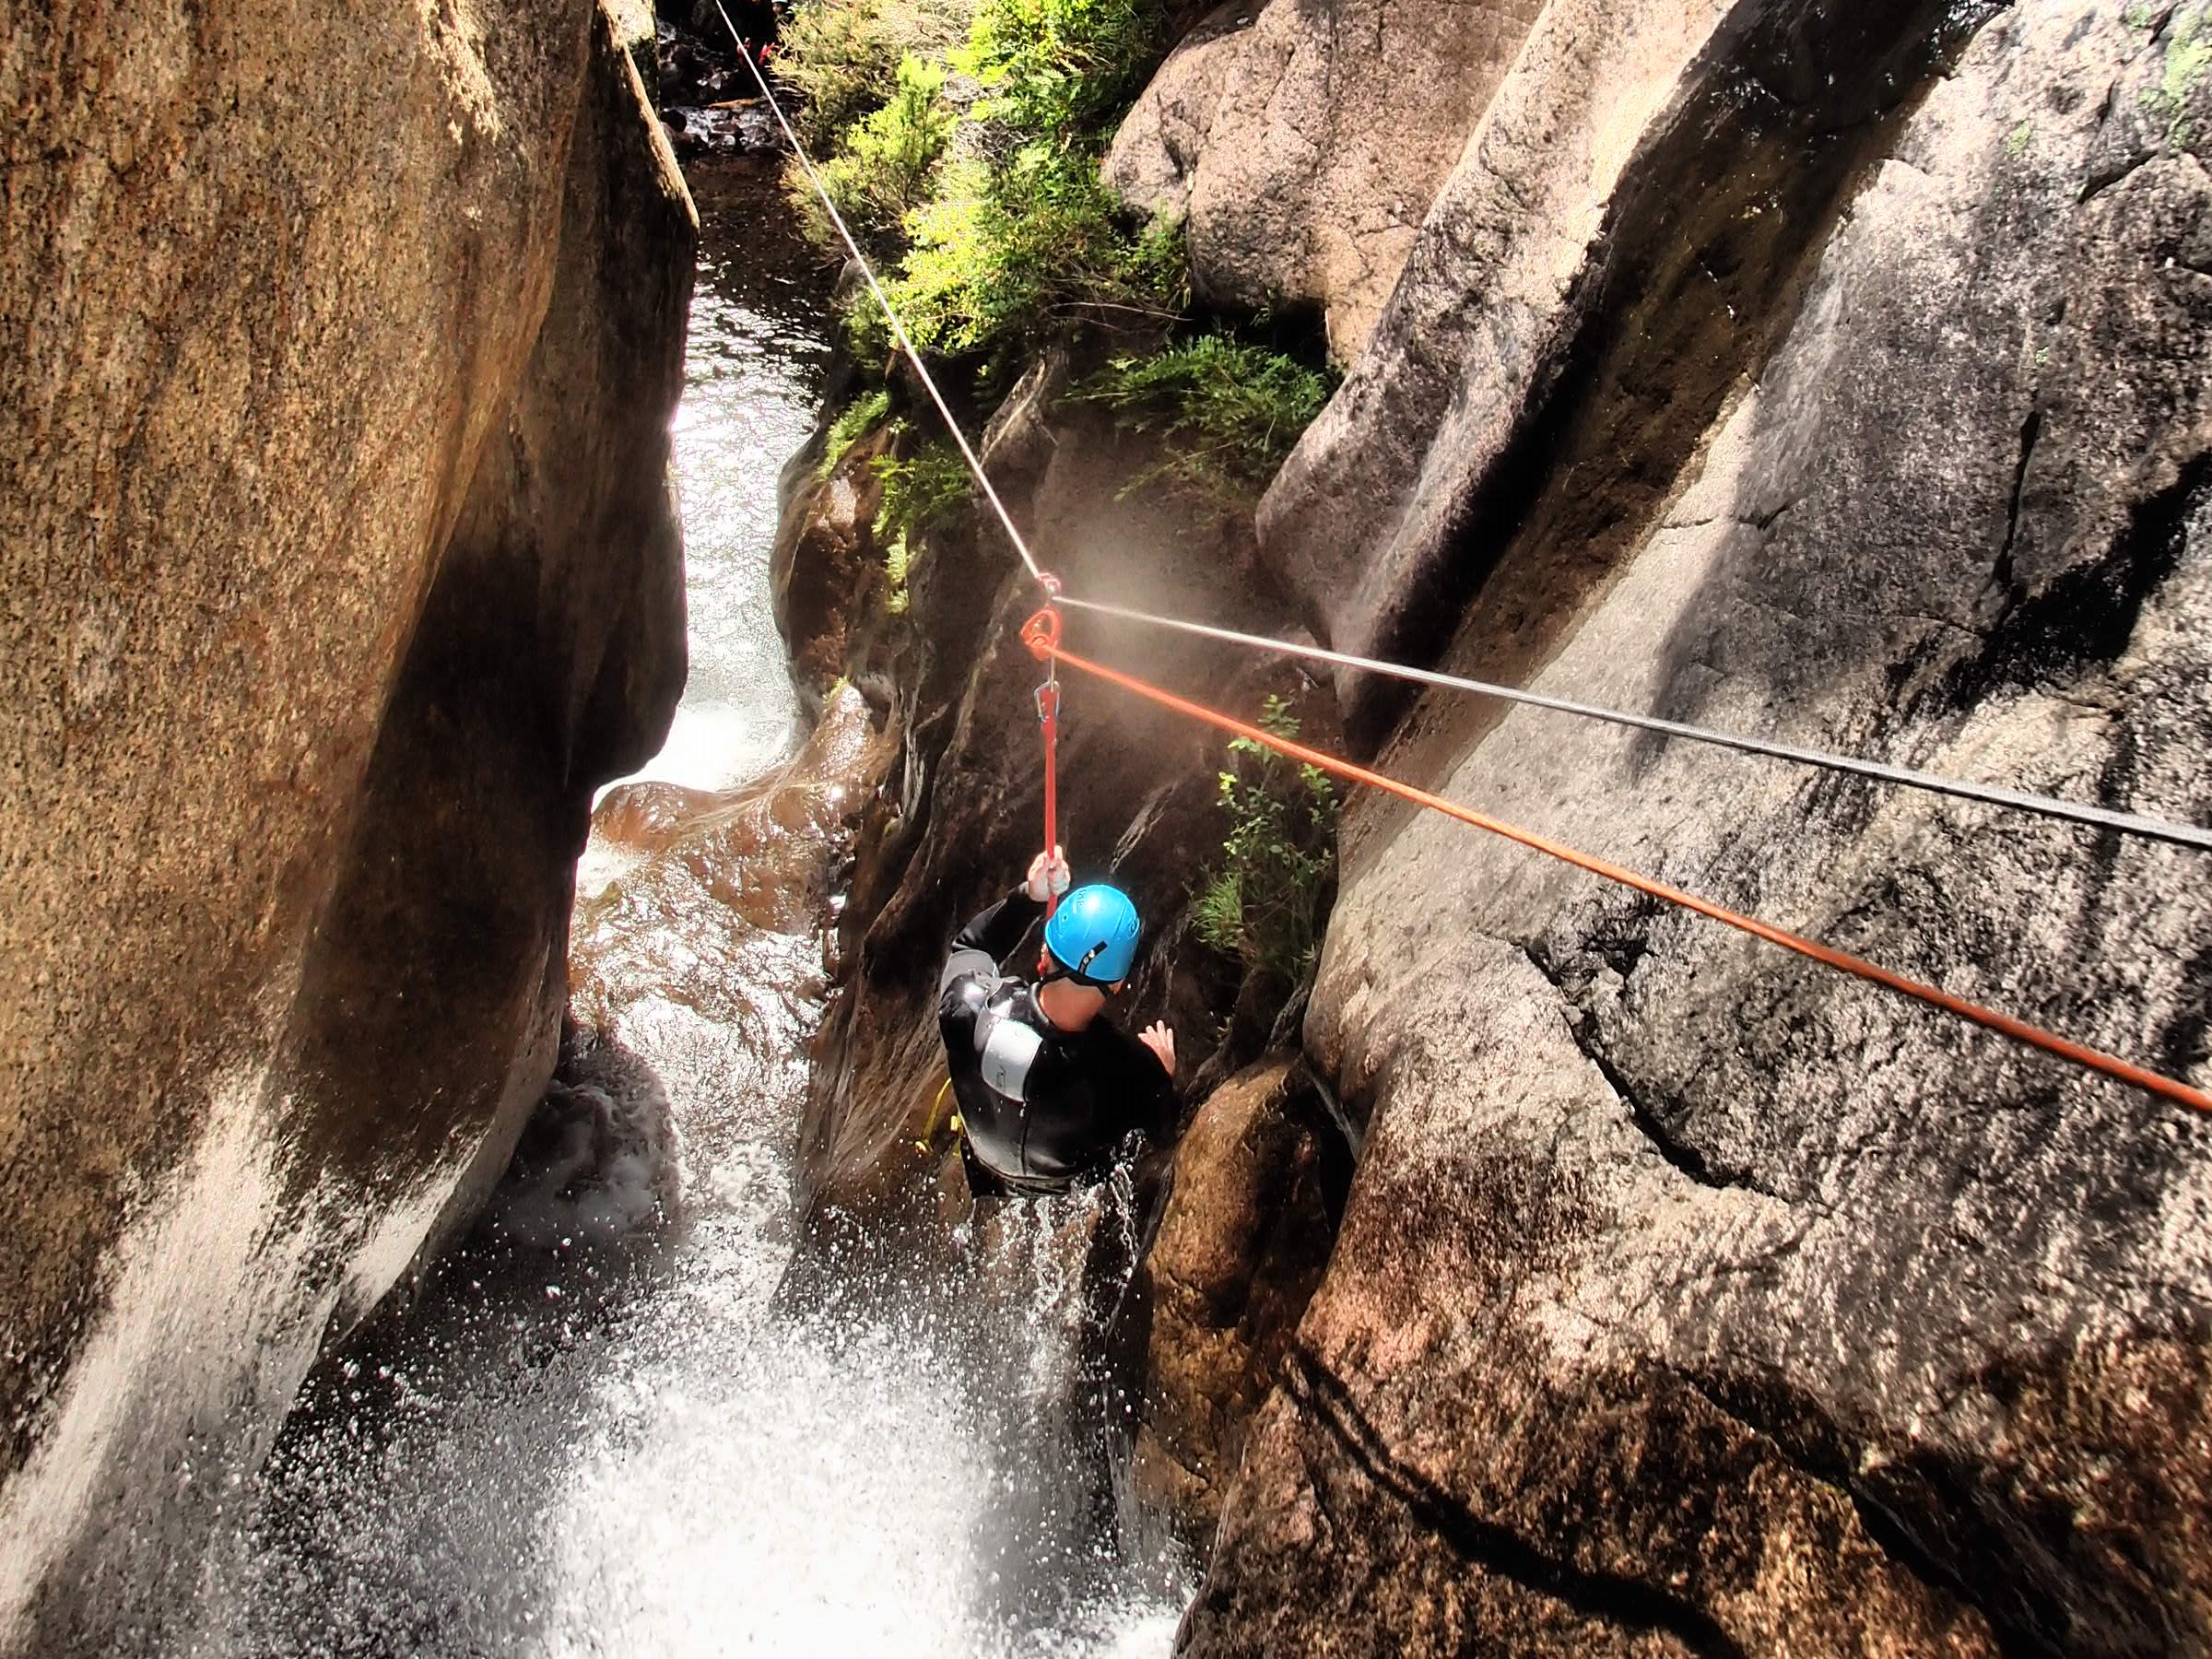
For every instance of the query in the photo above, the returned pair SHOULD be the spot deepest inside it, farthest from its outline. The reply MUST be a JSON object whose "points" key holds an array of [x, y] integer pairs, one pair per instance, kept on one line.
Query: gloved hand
{"points": [[1048, 876]]}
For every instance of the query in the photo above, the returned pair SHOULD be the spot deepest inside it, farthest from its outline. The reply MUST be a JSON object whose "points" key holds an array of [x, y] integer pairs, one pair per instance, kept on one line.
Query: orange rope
{"points": [[1043, 637]]}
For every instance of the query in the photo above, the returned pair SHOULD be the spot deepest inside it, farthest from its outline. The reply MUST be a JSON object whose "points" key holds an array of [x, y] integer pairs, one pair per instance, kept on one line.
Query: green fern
{"points": [[858, 418], [1228, 413]]}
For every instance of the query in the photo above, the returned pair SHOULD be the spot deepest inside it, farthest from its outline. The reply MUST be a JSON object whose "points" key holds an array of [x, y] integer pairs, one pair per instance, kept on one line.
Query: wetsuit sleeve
{"points": [[978, 948]]}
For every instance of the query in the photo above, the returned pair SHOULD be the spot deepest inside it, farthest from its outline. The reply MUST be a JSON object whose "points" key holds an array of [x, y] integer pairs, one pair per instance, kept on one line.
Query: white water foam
{"points": [[585, 1450]]}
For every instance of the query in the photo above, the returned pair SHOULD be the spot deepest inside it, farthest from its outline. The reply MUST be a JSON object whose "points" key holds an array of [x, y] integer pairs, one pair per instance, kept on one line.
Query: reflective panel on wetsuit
{"points": [[1009, 1048]]}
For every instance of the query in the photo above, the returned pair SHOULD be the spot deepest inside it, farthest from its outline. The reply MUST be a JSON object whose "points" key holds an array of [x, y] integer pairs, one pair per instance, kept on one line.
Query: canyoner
{"points": [[1043, 636], [1048, 1086]]}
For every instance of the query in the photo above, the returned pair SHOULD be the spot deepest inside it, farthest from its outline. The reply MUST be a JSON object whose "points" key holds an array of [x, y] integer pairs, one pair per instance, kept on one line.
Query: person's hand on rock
{"points": [[1161, 1041]]}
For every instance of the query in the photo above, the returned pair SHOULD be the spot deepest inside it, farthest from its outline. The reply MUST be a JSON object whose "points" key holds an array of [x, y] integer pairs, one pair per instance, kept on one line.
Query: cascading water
{"points": [[577, 1446]]}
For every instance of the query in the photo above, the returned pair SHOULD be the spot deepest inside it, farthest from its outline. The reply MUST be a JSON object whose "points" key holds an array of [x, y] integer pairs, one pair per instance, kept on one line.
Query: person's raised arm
{"points": [[983, 943]]}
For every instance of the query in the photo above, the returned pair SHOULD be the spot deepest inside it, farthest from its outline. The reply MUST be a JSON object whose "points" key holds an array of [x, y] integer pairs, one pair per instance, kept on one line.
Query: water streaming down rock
{"points": [[612, 1446]]}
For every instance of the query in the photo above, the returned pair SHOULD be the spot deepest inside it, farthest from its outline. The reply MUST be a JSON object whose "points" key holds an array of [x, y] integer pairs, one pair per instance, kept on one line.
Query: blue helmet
{"points": [[1093, 935]]}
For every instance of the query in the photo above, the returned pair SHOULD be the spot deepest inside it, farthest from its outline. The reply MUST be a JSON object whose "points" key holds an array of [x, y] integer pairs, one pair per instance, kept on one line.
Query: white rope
{"points": [[2186, 835], [906, 343]]}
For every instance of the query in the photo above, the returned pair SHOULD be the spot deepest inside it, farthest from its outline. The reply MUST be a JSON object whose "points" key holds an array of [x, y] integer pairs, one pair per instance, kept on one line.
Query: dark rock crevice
{"points": [[2084, 617], [1660, 1124], [1824, 1451], [1608, 1598]]}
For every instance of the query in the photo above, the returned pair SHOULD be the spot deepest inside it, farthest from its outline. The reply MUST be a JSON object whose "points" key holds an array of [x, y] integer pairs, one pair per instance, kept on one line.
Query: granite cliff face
{"points": [[1688, 1298], [1835, 374], [341, 565]]}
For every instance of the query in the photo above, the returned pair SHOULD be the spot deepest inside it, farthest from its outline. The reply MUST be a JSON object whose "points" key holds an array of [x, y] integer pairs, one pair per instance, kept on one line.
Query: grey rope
{"points": [[2185, 835], [883, 302]]}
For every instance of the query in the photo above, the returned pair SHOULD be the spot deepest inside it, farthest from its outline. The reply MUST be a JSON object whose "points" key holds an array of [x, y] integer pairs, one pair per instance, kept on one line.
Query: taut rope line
{"points": [[2101, 818], [1041, 635]]}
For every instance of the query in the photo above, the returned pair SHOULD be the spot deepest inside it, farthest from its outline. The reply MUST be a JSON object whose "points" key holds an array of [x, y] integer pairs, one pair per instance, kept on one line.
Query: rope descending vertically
{"points": [[1048, 721], [1043, 636]]}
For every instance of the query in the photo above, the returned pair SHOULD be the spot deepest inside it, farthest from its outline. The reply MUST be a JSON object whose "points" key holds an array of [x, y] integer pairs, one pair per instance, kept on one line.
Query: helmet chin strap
{"points": [[1077, 972]]}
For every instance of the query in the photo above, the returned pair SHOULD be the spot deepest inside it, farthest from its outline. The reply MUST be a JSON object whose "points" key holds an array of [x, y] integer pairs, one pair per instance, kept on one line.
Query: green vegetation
{"points": [[1228, 411], [2188, 59], [962, 139], [973, 166], [919, 491], [882, 170], [857, 419], [842, 57], [1262, 905]]}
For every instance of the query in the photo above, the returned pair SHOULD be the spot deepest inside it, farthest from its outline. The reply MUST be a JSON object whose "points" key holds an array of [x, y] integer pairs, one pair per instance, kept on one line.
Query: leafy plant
{"points": [[1228, 412], [1062, 69], [1004, 257], [896, 560], [881, 171], [856, 420], [842, 57], [919, 491], [1262, 904], [1001, 230]]}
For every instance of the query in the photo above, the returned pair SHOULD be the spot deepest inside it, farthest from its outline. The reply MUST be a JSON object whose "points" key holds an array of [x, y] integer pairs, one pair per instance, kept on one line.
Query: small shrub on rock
{"points": [[1227, 412], [881, 172], [1262, 904]]}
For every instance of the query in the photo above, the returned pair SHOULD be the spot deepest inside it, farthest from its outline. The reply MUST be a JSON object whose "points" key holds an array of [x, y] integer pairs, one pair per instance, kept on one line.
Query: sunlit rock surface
{"points": [[1300, 145], [341, 568], [1626, 229], [1691, 1297]]}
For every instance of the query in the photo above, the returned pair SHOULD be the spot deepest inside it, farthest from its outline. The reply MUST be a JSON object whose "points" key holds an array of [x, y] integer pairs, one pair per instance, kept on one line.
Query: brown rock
{"points": [[1242, 1244], [1302, 145], [1690, 1295], [332, 499]]}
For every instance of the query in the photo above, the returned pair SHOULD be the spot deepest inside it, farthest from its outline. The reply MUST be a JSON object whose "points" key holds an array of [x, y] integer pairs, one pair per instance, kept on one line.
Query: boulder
{"points": [[1250, 1216], [1692, 1297], [343, 566], [1302, 145]]}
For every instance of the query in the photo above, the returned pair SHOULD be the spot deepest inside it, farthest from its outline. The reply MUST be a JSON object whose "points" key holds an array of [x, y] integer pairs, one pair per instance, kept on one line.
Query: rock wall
{"points": [[337, 361], [1689, 1297], [1830, 373], [1303, 144]]}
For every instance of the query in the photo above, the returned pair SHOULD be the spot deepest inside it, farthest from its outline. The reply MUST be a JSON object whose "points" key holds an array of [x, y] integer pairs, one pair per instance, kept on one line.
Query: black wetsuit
{"points": [[1042, 1108]]}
